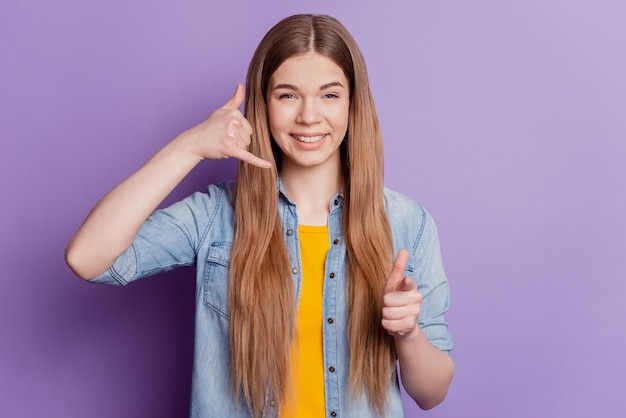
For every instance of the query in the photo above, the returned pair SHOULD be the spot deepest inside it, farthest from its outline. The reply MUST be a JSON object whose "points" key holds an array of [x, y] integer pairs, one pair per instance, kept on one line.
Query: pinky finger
{"points": [[245, 156]]}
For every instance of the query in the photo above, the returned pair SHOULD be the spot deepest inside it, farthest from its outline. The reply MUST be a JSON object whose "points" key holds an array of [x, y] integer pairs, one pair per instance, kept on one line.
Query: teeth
{"points": [[309, 139]]}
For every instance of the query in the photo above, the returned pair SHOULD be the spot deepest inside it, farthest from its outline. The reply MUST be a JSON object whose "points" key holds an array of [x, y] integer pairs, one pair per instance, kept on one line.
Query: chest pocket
{"points": [[216, 278]]}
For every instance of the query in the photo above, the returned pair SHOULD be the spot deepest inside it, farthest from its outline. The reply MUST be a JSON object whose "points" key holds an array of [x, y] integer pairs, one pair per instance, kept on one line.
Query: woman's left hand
{"points": [[401, 300]]}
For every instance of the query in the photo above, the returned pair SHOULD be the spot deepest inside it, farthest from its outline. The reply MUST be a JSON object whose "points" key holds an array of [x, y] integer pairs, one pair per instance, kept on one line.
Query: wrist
{"points": [[410, 337], [184, 147]]}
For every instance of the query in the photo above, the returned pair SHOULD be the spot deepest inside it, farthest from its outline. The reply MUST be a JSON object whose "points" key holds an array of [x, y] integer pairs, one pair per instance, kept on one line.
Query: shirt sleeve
{"points": [[432, 283], [169, 238]]}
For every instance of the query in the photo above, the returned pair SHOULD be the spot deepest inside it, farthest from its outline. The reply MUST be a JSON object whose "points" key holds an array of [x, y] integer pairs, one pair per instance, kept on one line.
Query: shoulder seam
{"points": [[421, 230], [220, 194]]}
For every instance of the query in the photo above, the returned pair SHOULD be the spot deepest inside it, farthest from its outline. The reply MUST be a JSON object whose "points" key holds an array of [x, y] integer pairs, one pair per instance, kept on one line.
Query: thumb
{"points": [[397, 272], [235, 101]]}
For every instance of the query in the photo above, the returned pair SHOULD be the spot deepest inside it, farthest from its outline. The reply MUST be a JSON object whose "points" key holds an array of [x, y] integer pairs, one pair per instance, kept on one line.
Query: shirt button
{"points": [[290, 232], [333, 414], [331, 275], [272, 403], [294, 270], [336, 202], [331, 369], [330, 320], [336, 241]]}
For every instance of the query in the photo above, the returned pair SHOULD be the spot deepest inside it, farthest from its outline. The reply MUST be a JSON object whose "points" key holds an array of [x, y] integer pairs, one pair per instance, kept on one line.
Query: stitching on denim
{"points": [[421, 231], [205, 280], [212, 262], [218, 203], [118, 277], [221, 260]]}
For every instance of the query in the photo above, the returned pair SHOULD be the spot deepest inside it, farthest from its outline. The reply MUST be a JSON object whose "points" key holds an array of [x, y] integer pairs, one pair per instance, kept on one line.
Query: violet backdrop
{"points": [[506, 119]]}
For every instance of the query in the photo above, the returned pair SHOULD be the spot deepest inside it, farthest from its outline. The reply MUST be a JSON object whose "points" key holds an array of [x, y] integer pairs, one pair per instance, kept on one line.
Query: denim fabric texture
{"points": [[200, 230]]}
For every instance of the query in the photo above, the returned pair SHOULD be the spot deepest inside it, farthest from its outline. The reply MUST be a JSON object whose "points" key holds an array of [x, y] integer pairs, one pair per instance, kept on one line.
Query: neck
{"points": [[311, 189]]}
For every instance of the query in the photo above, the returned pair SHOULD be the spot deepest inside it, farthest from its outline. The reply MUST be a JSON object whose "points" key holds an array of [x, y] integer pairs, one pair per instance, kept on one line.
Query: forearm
{"points": [[426, 371], [112, 224]]}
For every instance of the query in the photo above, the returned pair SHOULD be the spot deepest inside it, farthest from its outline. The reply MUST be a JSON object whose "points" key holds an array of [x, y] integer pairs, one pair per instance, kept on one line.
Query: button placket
{"points": [[332, 284]]}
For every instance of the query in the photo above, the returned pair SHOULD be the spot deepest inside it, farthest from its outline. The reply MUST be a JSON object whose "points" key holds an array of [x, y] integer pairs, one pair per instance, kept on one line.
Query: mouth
{"points": [[309, 139]]}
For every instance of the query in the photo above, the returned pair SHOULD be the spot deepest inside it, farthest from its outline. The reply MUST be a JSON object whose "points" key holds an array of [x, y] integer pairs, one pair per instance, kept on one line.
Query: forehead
{"points": [[311, 68]]}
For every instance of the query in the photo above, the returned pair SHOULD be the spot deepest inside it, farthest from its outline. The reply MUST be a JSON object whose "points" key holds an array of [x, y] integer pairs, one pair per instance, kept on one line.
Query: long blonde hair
{"points": [[261, 292]]}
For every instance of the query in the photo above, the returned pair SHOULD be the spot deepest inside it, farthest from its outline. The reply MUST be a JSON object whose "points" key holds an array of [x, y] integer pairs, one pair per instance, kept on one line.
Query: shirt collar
{"points": [[283, 194]]}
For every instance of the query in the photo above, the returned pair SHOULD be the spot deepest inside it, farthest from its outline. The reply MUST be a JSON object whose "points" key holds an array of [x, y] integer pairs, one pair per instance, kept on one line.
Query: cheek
{"points": [[340, 118], [277, 122]]}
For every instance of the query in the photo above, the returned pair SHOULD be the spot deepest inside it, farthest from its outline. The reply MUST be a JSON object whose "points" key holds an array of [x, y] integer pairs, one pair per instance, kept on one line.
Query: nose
{"points": [[309, 112]]}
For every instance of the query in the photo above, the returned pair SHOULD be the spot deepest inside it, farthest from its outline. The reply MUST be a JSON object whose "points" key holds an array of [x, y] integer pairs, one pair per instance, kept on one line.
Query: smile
{"points": [[309, 139]]}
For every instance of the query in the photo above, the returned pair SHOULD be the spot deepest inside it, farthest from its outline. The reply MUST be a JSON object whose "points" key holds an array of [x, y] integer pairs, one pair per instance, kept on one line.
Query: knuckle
{"points": [[386, 299]]}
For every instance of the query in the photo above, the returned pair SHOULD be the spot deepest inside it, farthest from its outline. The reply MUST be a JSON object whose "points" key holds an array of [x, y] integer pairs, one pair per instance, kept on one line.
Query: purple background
{"points": [[506, 119]]}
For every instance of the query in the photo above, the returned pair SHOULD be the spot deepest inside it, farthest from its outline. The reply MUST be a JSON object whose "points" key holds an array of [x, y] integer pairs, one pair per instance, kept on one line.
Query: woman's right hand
{"points": [[113, 223], [224, 134]]}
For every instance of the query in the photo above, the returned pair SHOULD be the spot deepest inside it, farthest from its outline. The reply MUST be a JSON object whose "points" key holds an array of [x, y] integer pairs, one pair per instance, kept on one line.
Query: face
{"points": [[308, 101]]}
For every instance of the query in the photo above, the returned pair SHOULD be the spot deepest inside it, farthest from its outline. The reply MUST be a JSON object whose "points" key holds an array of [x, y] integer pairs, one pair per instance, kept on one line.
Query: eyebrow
{"points": [[295, 88]]}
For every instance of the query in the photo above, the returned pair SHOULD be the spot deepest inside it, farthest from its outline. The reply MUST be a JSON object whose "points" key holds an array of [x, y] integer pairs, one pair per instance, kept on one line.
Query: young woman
{"points": [[312, 278]]}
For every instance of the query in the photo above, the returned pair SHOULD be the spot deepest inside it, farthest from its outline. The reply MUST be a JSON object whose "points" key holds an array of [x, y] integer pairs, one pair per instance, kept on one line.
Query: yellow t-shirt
{"points": [[307, 355]]}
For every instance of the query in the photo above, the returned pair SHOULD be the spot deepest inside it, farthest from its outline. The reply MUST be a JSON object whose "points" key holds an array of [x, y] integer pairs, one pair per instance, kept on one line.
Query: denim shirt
{"points": [[200, 230]]}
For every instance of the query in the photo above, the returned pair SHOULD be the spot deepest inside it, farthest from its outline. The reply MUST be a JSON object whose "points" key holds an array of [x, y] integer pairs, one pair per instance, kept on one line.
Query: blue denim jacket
{"points": [[199, 230]]}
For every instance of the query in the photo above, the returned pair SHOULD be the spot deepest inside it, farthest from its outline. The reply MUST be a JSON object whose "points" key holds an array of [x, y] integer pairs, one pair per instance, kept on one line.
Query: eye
{"points": [[287, 96], [330, 96]]}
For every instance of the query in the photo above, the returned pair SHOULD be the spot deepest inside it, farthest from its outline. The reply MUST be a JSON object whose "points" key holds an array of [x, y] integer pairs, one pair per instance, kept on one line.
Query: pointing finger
{"points": [[397, 272]]}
